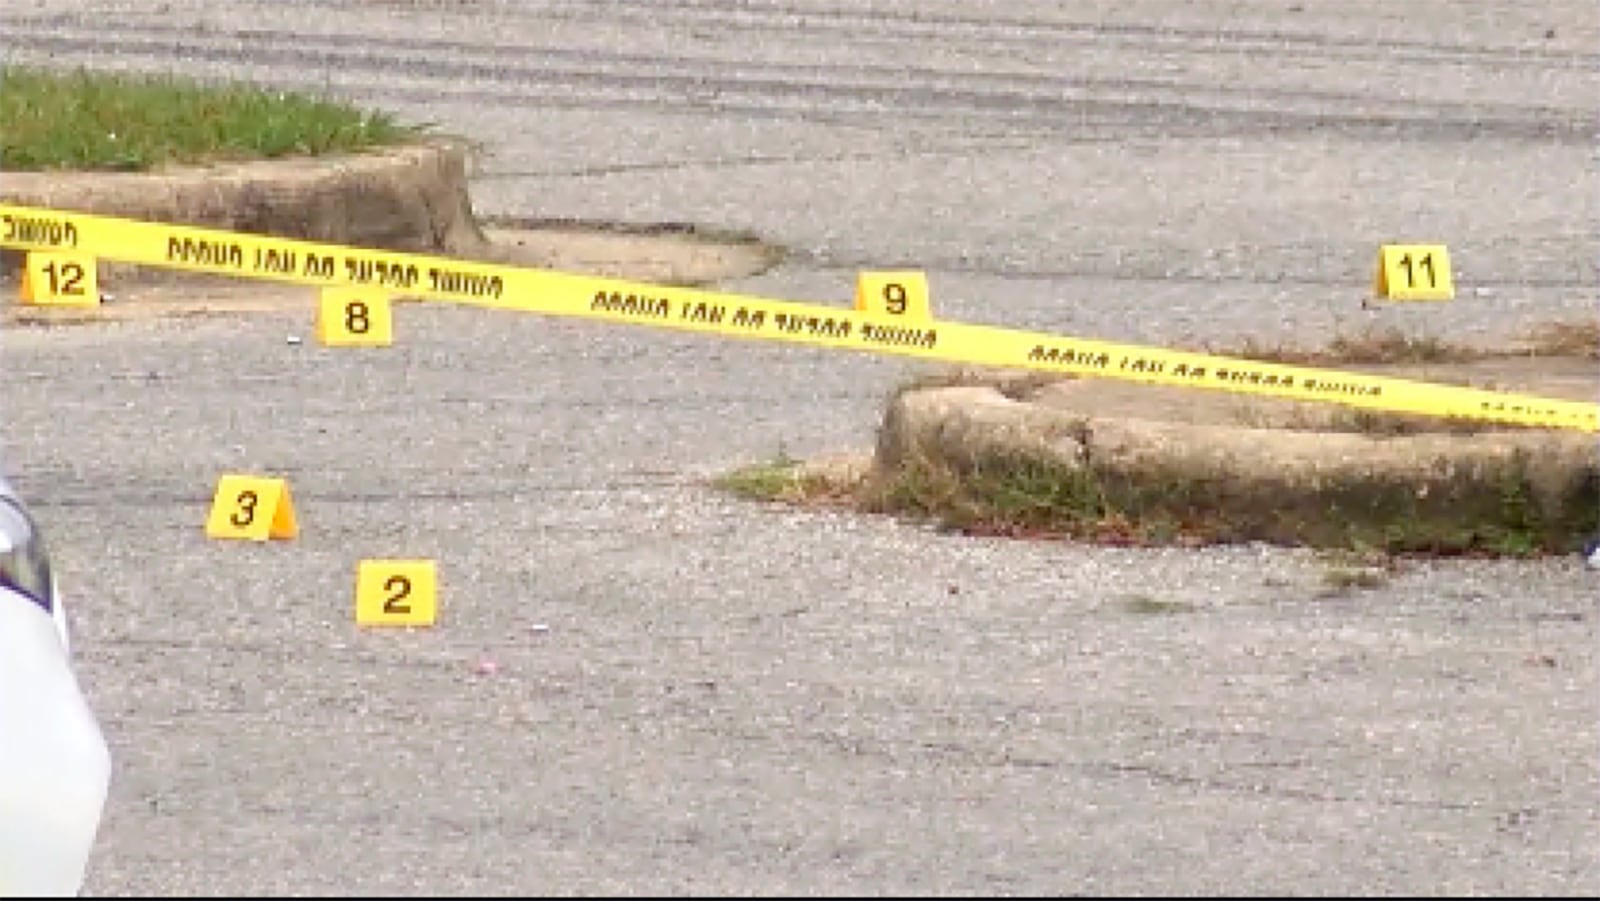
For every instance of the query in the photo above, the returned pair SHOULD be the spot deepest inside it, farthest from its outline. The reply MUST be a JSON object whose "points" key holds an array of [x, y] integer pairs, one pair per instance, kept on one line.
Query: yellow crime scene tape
{"points": [[498, 286]]}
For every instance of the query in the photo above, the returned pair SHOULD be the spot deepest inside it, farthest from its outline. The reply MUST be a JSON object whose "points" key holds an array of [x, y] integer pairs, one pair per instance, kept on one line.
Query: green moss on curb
{"points": [[1492, 513]]}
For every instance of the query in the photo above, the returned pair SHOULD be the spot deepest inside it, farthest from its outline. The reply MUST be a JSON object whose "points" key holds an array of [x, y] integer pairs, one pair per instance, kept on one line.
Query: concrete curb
{"points": [[1430, 491], [409, 198]]}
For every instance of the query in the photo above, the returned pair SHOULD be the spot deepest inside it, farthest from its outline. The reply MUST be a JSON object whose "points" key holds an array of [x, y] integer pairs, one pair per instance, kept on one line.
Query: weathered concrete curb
{"points": [[408, 198], [1289, 486], [411, 198]]}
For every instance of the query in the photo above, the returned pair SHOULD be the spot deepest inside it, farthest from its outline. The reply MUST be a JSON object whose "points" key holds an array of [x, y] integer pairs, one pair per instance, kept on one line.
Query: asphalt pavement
{"points": [[694, 694]]}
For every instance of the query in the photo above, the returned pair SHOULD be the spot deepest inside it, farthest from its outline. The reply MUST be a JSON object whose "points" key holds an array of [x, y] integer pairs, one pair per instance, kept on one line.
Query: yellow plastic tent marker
{"points": [[61, 280], [354, 317], [903, 294], [253, 508], [1414, 272], [397, 593]]}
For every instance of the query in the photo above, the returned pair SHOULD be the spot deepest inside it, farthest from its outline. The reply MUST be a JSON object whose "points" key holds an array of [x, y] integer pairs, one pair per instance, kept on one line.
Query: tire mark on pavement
{"points": [[852, 93]]}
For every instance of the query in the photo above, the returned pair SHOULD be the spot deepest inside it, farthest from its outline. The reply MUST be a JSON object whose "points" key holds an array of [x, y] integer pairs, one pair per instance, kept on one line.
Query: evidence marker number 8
{"points": [[354, 317]]}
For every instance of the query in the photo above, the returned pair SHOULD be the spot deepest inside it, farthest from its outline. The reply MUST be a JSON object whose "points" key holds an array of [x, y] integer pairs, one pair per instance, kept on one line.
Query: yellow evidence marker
{"points": [[1414, 272], [354, 317], [895, 293], [61, 279], [253, 508], [396, 593]]}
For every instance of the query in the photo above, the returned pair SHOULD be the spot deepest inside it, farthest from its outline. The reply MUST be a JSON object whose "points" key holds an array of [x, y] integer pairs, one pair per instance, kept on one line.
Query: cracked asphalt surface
{"points": [[699, 695]]}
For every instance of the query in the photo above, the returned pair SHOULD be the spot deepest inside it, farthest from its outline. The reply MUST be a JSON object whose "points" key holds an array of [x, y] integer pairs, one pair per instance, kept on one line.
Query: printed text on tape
{"points": [[616, 300]]}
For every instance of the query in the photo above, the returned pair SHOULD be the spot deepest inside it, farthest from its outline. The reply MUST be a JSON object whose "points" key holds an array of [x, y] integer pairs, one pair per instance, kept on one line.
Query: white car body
{"points": [[55, 768]]}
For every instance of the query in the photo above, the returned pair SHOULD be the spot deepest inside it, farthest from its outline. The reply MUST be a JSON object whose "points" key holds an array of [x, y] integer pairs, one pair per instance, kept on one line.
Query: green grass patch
{"points": [[822, 483], [770, 480], [104, 121], [788, 480]]}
